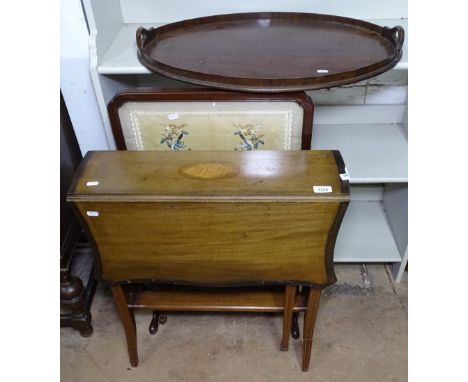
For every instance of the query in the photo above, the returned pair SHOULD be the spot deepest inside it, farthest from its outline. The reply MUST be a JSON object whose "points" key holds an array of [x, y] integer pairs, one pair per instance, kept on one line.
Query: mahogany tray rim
{"points": [[147, 39]]}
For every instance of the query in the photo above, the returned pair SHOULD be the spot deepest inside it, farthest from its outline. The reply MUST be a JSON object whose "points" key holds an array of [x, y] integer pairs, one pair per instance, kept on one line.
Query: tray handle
{"points": [[397, 34], [141, 35]]}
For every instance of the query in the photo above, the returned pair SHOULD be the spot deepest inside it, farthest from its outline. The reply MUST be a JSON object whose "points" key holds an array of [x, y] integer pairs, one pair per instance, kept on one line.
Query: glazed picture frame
{"points": [[197, 119]]}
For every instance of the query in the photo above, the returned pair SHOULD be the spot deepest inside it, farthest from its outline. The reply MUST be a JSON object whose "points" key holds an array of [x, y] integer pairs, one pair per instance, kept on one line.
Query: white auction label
{"points": [[92, 183], [92, 213], [172, 117], [322, 70], [344, 176], [322, 189]]}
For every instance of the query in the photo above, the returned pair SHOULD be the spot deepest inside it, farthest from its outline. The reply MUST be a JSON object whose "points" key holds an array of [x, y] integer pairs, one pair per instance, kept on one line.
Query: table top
{"points": [[192, 176], [270, 52]]}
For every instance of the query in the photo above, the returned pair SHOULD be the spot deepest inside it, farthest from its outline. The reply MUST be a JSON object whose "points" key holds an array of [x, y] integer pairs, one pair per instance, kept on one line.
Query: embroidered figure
{"points": [[250, 137], [173, 135]]}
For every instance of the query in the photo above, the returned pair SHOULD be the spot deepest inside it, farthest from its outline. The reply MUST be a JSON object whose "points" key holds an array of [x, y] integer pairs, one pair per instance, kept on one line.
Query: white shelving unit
{"points": [[365, 121], [365, 235], [373, 153]]}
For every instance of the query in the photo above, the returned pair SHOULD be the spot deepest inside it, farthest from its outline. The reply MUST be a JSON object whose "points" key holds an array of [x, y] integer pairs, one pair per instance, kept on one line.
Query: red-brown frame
{"points": [[195, 95]]}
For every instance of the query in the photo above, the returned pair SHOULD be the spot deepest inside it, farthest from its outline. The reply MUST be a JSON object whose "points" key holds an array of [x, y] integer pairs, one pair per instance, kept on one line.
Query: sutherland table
{"points": [[245, 227]]}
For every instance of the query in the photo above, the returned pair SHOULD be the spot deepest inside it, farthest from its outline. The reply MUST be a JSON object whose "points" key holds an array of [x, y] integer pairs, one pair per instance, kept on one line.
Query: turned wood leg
{"points": [[154, 324], [128, 320], [295, 332], [73, 295], [309, 323], [289, 299]]}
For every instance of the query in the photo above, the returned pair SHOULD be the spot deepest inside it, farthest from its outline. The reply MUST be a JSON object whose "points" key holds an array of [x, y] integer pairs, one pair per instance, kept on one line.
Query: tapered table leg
{"points": [[289, 299], [309, 323], [128, 320]]}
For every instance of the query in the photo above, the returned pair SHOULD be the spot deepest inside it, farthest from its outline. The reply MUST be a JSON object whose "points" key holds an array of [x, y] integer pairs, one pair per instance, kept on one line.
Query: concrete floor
{"points": [[360, 335]]}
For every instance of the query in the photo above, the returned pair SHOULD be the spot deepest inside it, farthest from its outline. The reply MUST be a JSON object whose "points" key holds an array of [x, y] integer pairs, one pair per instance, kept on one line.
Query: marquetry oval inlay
{"points": [[209, 170]]}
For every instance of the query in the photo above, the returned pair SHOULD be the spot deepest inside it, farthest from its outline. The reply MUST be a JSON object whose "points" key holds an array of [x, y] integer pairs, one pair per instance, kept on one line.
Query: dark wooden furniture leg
{"points": [[295, 332], [77, 284], [309, 323], [154, 324], [128, 320], [73, 295], [289, 299], [162, 318], [158, 319]]}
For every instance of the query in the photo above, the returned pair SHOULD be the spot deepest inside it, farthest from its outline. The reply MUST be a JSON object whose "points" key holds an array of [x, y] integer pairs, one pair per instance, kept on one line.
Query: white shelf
{"points": [[121, 57], [373, 153], [365, 235]]}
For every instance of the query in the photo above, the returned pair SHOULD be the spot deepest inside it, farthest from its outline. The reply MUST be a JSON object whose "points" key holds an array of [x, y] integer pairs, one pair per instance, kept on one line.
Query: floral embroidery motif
{"points": [[250, 137], [173, 135]]}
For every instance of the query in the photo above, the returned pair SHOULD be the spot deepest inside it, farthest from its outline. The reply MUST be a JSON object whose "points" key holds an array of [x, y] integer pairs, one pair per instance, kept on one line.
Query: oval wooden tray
{"points": [[270, 52]]}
